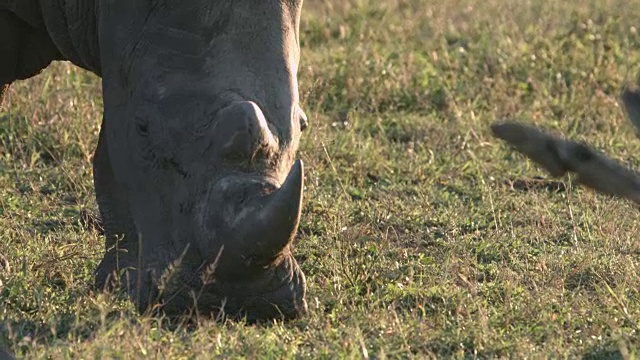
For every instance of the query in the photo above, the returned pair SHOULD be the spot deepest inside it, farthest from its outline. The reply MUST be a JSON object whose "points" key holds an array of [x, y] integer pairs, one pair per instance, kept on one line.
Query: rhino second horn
{"points": [[242, 130], [274, 222]]}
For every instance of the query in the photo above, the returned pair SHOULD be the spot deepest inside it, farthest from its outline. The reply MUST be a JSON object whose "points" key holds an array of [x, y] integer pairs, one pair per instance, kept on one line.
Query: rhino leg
{"points": [[121, 260], [25, 49]]}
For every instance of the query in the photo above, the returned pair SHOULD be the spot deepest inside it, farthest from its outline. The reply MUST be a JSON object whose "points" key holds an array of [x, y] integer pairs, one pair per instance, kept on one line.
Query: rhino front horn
{"points": [[274, 222]]}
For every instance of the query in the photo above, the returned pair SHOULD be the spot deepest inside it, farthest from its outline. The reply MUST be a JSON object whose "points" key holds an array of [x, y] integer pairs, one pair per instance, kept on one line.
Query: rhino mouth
{"points": [[243, 245], [279, 293], [248, 270]]}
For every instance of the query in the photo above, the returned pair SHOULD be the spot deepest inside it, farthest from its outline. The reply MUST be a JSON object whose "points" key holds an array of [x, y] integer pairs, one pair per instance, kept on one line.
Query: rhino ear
{"points": [[24, 49], [631, 101]]}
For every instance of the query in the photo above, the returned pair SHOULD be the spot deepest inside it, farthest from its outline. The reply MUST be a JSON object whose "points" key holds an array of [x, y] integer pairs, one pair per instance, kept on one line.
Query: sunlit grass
{"points": [[421, 234]]}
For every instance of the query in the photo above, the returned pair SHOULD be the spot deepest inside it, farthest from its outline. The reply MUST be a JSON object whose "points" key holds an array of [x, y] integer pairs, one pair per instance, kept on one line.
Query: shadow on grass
{"points": [[609, 350]]}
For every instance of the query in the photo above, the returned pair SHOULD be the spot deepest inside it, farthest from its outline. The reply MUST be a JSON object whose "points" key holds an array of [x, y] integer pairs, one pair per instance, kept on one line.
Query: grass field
{"points": [[422, 236]]}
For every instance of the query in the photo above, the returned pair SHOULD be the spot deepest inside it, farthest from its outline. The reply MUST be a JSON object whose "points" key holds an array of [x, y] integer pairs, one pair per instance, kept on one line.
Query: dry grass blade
{"points": [[3, 92]]}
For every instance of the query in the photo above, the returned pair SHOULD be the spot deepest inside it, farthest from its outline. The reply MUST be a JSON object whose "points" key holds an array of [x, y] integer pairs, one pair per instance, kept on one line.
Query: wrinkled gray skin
{"points": [[195, 170]]}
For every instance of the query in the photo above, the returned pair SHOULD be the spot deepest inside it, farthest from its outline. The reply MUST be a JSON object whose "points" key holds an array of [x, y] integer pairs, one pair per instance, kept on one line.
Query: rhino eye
{"points": [[142, 127]]}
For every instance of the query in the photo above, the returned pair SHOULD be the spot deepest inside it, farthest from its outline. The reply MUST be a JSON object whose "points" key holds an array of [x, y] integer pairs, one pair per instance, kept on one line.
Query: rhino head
{"points": [[195, 172]]}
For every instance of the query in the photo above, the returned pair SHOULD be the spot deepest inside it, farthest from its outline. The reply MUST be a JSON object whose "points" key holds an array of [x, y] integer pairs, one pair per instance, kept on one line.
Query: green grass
{"points": [[422, 236]]}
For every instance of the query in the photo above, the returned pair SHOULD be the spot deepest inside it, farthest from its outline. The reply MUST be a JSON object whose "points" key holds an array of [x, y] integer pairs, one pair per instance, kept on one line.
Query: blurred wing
{"points": [[559, 156]]}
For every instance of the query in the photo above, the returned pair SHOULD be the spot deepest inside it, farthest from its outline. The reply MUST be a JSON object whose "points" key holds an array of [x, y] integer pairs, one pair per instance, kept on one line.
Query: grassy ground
{"points": [[421, 236]]}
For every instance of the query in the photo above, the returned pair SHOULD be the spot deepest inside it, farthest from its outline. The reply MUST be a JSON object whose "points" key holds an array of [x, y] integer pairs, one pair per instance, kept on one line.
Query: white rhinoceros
{"points": [[195, 169]]}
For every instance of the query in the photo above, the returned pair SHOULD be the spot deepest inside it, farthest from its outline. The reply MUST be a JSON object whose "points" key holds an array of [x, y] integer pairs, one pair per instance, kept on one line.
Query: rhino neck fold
{"points": [[72, 25]]}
